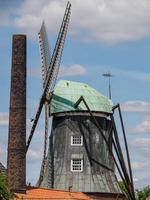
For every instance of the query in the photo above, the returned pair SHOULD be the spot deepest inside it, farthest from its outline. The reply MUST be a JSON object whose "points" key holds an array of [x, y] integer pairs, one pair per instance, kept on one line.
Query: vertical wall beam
{"points": [[16, 163]]}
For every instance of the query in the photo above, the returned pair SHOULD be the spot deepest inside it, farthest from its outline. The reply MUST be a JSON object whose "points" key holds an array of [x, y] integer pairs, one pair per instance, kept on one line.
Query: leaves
{"points": [[124, 190], [143, 194], [140, 194], [5, 192]]}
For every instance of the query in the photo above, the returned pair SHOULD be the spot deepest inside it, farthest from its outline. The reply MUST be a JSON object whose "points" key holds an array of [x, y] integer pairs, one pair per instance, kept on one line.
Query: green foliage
{"points": [[4, 188], [124, 190], [143, 194], [140, 194]]}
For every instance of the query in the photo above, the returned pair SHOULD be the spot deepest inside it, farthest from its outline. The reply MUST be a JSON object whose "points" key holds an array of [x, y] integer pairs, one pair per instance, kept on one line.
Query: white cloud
{"points": [[73, 70], [136, 106], [93, 20], [32, 13], [2, 151], [142, 142], [34, 154], [143, 127], [123, 71], [135, 180], [4, 118], [138, 165]]}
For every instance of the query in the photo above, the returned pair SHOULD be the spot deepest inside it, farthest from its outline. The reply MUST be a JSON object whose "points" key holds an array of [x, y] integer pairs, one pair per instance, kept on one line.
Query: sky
{"points": [[103, 36]]}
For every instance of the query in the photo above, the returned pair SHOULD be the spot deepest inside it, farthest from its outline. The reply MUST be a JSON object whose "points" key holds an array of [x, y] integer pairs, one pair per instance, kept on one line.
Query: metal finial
{"points": [[108, 75]]}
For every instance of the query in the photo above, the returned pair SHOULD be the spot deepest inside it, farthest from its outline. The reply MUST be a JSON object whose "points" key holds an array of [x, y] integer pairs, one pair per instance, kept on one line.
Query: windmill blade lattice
{"points": [[57, 53], [53, 69], [45, 60], [44, 50]]}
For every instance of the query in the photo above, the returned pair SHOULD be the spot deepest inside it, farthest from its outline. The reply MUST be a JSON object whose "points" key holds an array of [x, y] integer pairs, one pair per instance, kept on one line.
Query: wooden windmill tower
{"points": [[83, 134]]}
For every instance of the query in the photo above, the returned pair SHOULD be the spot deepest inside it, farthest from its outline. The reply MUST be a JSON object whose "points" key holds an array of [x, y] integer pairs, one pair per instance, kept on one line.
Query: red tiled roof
{"points": [[41, 193]]}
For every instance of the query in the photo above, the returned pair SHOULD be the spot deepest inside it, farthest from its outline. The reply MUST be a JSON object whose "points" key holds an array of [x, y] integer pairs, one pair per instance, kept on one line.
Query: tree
{"points": [[140, 194], [5, 192], [124, 190], [143, 194]]}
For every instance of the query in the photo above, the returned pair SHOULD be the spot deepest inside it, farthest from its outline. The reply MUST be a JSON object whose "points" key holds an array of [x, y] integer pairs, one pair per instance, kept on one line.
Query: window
{"points": [[77, 165], [77, 140]]}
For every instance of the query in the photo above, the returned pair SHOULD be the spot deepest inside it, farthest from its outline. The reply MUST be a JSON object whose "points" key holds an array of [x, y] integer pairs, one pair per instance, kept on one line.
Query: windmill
{"points": [[83, 133], [50, 68]]}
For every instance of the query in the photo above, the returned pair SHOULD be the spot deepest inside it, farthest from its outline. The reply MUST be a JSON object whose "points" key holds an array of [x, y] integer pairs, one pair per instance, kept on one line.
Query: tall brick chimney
{"points": [[16, 163]]}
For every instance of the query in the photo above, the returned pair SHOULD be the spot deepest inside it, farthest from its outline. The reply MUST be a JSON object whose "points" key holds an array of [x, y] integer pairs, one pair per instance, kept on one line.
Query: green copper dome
{"points": [[66, 94]]}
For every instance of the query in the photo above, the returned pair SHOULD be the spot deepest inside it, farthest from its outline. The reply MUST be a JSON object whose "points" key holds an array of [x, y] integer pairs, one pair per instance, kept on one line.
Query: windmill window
{"points": [[76, 140], [77, 165]]}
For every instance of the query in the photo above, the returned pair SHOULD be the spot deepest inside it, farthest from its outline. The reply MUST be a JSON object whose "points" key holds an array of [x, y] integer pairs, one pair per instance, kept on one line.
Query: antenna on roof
{"points": [[108, 75]]}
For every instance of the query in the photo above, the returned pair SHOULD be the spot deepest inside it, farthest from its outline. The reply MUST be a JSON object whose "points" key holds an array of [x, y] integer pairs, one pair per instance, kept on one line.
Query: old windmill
{"points": [[83, 136]]}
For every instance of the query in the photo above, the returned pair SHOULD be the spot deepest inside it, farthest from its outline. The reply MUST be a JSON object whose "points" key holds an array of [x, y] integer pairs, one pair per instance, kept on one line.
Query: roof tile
{"points": [[41, 193]]}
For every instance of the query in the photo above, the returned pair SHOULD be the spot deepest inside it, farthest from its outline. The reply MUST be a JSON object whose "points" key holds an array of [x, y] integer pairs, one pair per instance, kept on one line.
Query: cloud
{"points": [[73, 70], [136, 106], [2, 151], [123, 71], [34, 154], [113, 21], [91, 20], [135, 180], [142, 142], [143, 127], [4, 118], [32, 13], [138, 165], [137, 75]]}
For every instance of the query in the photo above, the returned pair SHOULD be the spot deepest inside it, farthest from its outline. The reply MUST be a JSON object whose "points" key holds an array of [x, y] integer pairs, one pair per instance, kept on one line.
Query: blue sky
{"points": [[103, 36]]}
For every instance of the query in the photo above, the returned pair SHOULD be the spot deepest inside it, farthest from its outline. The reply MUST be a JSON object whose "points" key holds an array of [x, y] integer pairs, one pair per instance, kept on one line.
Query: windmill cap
{"points": [[67, 93]]}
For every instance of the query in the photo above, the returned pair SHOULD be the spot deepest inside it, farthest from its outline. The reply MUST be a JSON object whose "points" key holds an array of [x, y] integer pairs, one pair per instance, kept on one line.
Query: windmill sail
{"points": [[47, 69], [45, 60], [44, 50], [57, 53], [53, 68]]}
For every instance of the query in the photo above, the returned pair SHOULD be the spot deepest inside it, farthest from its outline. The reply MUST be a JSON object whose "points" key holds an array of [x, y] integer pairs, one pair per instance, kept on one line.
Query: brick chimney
{"points": [[16, 163]]}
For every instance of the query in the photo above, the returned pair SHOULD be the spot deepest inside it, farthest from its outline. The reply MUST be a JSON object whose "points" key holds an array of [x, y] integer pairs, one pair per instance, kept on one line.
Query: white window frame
{"points": [[76, 138], [77, 165]]}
